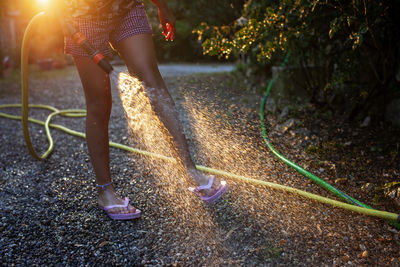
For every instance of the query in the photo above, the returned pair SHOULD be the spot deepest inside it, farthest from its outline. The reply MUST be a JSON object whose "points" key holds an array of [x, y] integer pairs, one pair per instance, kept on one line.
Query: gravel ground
{"points": [[48, 209]]}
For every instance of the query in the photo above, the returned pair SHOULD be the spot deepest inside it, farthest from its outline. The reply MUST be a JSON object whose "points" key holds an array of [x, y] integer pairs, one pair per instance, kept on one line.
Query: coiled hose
{"points": [[80, 113]]}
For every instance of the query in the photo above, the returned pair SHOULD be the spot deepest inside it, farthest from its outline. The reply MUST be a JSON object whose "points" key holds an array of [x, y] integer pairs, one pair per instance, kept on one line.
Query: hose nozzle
{"points": [[81, 40]]}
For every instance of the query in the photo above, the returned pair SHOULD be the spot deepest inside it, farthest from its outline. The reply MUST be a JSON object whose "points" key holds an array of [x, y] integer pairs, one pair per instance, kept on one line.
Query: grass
{"points": [[271, 252], [11, 84], [13, 76], [313, 149], [36, 73]]}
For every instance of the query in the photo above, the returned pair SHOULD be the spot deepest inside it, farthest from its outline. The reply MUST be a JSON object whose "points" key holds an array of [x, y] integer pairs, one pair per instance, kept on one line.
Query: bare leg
{"points": [[96, 84], [139, 56]]}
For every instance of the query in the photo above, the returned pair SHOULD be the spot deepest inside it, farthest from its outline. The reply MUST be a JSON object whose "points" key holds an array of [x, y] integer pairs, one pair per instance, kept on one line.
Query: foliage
{"points": [[355, 45], [189, 14]]}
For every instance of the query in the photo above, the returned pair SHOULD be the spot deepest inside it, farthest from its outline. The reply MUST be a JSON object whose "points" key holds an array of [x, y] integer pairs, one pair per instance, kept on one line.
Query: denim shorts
{"points": [[102, 33]]}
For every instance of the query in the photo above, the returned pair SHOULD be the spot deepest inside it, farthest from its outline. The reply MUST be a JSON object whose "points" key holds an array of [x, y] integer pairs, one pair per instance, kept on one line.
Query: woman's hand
{"points": [[167, 20]]}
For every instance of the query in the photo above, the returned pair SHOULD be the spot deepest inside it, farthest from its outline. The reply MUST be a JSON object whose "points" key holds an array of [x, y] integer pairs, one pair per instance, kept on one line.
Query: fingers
{"points": [[164, 28], [168, 31]]}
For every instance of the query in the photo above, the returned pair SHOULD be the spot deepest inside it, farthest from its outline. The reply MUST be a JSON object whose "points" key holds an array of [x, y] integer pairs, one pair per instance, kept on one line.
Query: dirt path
{"points": [[48, 209]]}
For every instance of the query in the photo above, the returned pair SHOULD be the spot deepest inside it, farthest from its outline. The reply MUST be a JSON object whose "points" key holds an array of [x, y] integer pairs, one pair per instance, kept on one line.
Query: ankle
{"points": [[197, 176], [105, 188]]}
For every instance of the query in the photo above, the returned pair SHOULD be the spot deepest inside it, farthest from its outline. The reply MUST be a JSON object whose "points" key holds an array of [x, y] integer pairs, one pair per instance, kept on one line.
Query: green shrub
{"points": [[189, 14], [355, 43]]}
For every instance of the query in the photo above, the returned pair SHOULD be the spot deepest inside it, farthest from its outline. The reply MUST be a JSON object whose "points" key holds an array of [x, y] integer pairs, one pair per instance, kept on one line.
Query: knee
{"points": [[149, 75]]}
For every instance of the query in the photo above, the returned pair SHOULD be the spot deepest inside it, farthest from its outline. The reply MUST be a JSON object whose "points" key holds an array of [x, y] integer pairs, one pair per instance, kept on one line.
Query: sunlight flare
{"points": [[43, 3]]}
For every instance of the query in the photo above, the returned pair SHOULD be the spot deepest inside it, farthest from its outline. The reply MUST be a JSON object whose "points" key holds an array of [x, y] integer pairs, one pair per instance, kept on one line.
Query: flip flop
{"points": [[121, 216], [215, 196]]}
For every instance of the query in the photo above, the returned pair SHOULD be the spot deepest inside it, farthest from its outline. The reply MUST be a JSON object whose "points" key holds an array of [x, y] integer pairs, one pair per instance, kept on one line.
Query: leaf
{"points": [[363, 30], [102, 244], [391, 184], [230, 232]]}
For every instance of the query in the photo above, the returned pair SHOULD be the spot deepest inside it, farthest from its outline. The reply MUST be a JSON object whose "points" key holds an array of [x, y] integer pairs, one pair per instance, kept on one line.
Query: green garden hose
{"points": [[299, 169], [80, 113], [332, 202]]}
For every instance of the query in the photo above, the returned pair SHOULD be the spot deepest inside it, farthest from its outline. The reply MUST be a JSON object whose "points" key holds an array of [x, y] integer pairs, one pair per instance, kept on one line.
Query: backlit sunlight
{"points": [[43, 3]]}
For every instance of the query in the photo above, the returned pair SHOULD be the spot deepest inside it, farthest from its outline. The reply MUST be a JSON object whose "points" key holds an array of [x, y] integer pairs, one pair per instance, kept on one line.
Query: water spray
{"points": [[103, 63]]}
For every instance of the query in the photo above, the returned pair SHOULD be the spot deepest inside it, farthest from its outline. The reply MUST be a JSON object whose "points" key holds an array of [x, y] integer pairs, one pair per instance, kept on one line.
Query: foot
{"points": [[108, 197], [202, 179]]}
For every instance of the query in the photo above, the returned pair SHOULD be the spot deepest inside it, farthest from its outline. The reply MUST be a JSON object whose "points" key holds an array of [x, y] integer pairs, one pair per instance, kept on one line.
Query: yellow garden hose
{"points": [[80, 113], [332, 202]]}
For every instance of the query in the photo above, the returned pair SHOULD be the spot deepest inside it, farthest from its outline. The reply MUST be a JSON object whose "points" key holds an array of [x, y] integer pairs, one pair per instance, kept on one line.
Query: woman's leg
{"points": [[139, 55], [96, 85]]}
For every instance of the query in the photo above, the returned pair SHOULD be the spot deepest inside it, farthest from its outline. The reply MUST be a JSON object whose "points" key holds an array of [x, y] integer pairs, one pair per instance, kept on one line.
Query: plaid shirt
{"points": [[100, 9]]}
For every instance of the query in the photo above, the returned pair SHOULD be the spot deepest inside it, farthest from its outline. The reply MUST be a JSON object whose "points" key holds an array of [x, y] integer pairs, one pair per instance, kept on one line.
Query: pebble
{"points": [[49, 216], [365, 254]]}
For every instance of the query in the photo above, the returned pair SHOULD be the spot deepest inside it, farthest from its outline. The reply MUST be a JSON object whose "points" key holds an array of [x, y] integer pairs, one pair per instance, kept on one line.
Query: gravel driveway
{"points": [[48, 209]]}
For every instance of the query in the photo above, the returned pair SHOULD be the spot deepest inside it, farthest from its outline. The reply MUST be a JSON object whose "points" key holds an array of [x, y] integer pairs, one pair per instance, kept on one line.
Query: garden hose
{"points": [[366, 211], [299, 169], [81, 40], [80, 113]]}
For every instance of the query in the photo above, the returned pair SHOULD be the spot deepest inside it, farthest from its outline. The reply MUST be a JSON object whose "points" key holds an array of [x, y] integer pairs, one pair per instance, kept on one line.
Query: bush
{"points": [[356, 43], [189, 14]]}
